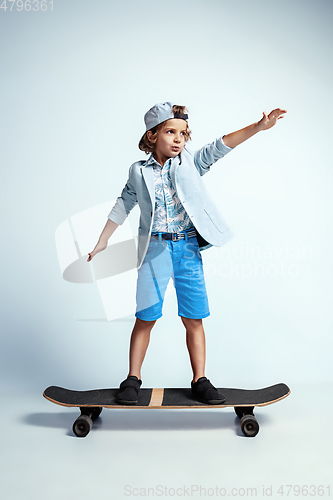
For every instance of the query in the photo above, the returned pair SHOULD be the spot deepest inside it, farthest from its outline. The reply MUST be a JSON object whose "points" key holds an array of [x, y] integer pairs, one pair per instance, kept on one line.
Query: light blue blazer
{"points": [[185, 171]]}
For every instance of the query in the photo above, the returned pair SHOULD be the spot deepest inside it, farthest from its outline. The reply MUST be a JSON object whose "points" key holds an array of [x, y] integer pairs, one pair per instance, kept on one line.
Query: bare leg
{"points": [[138, 345], [196, 345]]}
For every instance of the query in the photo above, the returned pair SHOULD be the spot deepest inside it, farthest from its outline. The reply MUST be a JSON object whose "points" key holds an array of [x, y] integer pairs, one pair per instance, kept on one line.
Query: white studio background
{"points": [[75, 84]]}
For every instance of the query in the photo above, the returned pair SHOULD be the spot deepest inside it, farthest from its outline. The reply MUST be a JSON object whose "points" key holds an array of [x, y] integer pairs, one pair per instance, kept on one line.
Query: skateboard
{"points": [[92, 402]]}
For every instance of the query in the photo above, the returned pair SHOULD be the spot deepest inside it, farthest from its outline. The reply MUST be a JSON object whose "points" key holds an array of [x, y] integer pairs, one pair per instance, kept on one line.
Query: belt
{"points": [[175, 236]]}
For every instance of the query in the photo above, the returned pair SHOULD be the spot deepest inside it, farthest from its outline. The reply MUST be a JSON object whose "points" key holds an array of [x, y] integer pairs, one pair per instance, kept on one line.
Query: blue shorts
{"points": [[180, 260]]}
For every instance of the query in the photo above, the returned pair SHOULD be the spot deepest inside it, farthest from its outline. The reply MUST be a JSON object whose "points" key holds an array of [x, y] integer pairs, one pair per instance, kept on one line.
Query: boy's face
{"points": [[171, 139]]}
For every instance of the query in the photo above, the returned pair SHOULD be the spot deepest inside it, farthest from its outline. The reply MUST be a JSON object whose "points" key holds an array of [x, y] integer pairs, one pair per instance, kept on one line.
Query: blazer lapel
{"points": [[175, 162], [148, 175]]}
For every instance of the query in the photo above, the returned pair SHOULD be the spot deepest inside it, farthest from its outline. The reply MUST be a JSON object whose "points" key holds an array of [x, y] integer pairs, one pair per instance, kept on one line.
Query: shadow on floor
{"points": [[153, 420]]}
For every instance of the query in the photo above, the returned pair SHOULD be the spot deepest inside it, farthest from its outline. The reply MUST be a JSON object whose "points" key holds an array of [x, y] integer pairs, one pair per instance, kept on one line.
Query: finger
{"points": [[278, 109]]}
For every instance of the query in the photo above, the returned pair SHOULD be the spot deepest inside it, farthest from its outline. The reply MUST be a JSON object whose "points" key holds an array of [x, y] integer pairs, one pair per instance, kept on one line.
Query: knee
{"points": [[191, 324], [143, 324]]}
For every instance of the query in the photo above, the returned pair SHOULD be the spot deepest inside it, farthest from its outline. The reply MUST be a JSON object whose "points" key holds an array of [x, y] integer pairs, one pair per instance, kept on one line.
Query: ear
{"points": [[152, 138]]}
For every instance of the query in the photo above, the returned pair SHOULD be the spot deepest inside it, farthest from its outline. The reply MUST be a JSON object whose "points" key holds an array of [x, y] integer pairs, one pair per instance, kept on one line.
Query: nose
{"points": [[177, 138]]}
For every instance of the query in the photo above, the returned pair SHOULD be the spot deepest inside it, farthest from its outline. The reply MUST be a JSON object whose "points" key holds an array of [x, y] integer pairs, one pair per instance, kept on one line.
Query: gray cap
{"points": [[159, 114]]}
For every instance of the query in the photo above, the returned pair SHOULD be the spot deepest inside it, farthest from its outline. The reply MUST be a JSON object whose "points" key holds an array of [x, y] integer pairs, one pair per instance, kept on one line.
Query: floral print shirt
{"points": [[170, 215]]}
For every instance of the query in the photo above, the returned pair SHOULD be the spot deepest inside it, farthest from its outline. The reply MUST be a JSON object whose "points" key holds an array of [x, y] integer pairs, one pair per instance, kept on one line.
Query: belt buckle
{"points": [[175, 237]]}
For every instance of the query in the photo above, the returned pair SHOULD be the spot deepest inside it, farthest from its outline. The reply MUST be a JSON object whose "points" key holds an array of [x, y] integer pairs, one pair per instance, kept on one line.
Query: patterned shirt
{"points": [[170, 215]]}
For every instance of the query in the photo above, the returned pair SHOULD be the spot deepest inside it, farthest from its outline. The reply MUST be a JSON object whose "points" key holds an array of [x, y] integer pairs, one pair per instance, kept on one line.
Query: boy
{"points": [[177, 220]]}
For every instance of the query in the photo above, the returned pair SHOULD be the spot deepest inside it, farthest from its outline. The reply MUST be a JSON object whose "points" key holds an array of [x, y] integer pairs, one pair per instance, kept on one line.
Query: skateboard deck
{"points": [[92, 402]]}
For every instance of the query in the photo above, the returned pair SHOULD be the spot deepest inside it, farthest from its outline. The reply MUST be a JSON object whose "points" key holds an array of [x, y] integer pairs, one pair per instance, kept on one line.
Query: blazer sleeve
{"points": [[209, 154], [125, 202]]}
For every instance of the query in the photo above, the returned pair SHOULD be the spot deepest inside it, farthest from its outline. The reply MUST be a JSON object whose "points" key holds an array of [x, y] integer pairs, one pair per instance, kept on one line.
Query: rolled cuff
{"points": [[222, 147], [118, 213]]}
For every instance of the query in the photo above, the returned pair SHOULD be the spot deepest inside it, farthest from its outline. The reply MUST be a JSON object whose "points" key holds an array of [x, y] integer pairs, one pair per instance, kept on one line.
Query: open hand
{"points": [[268, 121]]}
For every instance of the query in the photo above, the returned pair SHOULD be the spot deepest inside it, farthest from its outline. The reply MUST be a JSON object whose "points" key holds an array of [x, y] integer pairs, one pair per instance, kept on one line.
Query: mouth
{"points": [[175, 148]]}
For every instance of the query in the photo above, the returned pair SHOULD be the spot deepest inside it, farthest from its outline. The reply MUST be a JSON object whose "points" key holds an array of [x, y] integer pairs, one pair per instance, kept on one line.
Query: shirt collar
{"points": [[151, 160]]}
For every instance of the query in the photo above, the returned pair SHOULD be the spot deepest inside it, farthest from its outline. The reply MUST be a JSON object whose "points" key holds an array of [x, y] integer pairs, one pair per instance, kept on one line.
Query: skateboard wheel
{"points": [[82, 425], [249, 425]]}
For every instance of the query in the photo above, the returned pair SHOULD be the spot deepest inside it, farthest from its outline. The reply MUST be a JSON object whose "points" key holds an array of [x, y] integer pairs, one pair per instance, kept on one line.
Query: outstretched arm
{"points": [[266, 122]]}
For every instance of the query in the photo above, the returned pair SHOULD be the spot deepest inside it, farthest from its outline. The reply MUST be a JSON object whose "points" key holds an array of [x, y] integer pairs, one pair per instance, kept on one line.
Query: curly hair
{"points": [[148, 145]]}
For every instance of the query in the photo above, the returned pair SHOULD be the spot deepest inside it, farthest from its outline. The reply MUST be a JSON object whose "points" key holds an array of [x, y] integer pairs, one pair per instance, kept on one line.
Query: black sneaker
{"points": [[129, 390], [205, 392]]}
